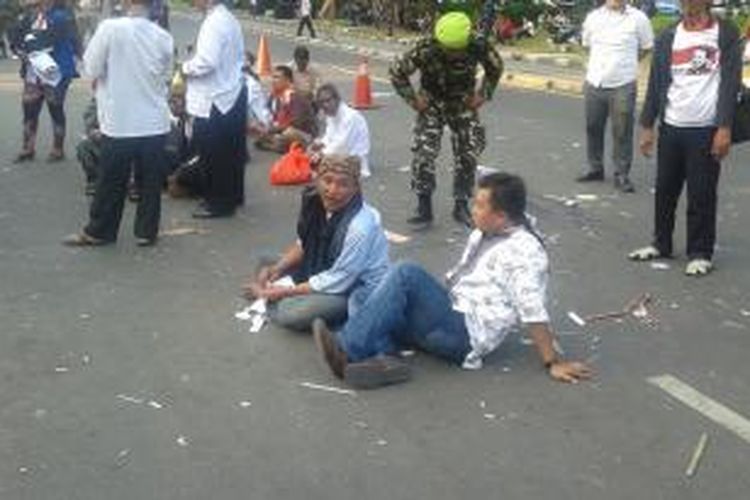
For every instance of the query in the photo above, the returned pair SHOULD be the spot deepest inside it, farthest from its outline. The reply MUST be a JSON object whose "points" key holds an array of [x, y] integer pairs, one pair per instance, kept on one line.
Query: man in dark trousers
{"points": [[130, 58]]}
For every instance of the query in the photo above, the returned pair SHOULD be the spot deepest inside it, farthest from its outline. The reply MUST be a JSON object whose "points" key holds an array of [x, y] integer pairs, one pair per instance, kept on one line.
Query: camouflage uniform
{"points": [[89, 149], [446, 82]]}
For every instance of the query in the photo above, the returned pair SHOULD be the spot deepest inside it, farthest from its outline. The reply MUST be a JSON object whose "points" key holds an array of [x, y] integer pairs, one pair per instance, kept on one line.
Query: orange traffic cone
{"points": [[362, 90], [263, 64]]}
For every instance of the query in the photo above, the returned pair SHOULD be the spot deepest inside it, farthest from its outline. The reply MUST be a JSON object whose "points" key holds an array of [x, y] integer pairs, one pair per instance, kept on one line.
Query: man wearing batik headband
{"points": [[340, 256], [447, 62]]}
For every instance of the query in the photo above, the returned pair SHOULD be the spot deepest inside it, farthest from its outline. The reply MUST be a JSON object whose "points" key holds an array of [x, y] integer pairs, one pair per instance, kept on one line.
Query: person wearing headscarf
{"points": [[339, 258]]}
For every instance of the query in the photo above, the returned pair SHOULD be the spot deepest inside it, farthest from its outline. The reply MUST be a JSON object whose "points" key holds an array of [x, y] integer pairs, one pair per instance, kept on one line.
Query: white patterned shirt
{"points": [[497, 285]]}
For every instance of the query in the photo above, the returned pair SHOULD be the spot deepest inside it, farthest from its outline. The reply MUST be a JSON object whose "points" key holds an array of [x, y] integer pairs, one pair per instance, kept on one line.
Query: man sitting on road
{"points": [[340, 256], [293, 115], [499, 284], [346, 129]]}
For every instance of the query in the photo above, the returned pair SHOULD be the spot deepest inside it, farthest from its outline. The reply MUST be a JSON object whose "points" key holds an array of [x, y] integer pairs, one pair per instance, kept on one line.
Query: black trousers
{"points": [[684, 156], [118, 156], [306, 21], [221, 143]]}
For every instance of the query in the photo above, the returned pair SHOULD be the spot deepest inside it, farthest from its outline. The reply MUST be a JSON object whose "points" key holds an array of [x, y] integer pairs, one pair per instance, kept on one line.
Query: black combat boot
{"points": [[462, 214], [423, 215]]}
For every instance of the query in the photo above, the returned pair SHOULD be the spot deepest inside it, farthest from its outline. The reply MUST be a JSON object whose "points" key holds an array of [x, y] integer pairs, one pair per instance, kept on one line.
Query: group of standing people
{"points": [[692, 91]]}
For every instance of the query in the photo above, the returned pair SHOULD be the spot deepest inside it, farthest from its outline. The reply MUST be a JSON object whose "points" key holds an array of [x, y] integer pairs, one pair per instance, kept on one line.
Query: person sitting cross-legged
{"points": [[346, 130], [499, 284], [340, 256], [293, 115]]}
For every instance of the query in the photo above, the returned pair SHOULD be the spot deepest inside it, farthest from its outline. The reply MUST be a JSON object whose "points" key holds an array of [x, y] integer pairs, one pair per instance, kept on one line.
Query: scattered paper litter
{"points": [[129, 399], [744, 312], [62, 369], [182, 440], [381, 442], [490, 416], [483, 404], [405, 168], [182, 231], [587, 197], [155, 404], [256, 324], [575, 318], [122, 457], [396, 237], [697, 454], [661, 266], [327, 388], [246, 404]]}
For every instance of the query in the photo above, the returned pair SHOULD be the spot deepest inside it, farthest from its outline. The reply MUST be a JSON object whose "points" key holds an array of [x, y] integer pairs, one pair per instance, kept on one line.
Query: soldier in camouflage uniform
{"points": [[447, 62], [90, 147]]}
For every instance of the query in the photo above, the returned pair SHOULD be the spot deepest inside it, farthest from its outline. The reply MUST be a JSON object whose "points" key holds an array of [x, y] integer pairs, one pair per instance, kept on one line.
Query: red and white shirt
{"points": [[694, 93]]}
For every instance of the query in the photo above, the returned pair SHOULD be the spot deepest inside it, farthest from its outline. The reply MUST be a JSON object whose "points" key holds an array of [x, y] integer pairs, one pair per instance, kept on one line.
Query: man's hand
{"points": [[274, 293], [646, 141], [266, 275], [569, 371], [474, 101], [721, 143], [420, 103], [252, 290]]}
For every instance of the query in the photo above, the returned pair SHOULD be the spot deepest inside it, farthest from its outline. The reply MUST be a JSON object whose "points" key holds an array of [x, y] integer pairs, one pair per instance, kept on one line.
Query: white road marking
{"points": [[722, 415], [327, 388]]}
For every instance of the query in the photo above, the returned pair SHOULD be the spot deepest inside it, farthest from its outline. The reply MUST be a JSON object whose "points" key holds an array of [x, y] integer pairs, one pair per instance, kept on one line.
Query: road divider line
{"points": [[708, 407]]}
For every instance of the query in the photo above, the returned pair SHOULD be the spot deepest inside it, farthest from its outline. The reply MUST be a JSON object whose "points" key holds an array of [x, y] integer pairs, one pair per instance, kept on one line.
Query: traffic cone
{"points": [[362, 90], [263, 64]]}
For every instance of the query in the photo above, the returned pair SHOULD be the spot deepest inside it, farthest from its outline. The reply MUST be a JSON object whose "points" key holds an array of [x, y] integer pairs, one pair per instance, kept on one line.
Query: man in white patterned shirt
{"points": [[499, 284]]}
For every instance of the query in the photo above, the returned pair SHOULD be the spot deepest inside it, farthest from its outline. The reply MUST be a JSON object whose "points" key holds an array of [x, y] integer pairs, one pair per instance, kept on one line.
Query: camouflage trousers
{"points": [[468, 141], [89, 152]]}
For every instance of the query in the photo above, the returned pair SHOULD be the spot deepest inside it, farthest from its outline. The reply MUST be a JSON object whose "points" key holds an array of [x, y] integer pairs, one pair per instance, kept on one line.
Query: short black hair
{"points": [[301, 52], [286, 71], [507, 194], [329, 88]]}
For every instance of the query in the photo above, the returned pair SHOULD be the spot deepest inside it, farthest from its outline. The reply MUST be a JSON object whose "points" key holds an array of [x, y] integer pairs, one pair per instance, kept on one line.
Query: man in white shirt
{"points": [[346, 131], [499, 284], [305, 17], [130, 58], [216, 98], [617, 35]]}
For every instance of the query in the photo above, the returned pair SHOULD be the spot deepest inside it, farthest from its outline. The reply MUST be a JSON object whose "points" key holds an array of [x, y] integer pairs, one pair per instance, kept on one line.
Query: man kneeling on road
{"points": [[499, 283], [339, 258]]}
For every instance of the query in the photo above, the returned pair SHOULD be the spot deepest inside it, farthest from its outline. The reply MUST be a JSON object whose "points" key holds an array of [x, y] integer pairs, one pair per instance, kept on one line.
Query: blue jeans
{"points": [[409, 308]]}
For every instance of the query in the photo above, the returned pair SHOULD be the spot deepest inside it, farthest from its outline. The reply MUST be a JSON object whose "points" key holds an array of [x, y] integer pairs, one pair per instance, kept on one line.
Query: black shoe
{"points": [[462, 214], [624, 185], [333, 355], [209, 213], [423, 214], [377, 372], [591, 176]]}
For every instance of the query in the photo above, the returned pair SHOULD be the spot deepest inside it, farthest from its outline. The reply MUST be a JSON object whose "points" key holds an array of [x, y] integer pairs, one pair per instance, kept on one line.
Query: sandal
{"points": [[83, 240], [699, 267], [645, 254]]}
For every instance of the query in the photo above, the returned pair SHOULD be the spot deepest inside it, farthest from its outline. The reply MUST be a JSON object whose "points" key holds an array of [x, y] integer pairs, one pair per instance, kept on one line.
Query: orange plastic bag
{"points": [[292, 168]]}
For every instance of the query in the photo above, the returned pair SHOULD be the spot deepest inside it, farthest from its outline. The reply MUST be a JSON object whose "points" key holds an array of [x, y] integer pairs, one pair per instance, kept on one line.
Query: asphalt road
{"points": [[126, 376]]}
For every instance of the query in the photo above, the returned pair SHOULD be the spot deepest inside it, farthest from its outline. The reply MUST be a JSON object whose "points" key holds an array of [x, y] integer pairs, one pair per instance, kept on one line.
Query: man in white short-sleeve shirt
{"points": [[130, 60], [616, 35]]}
